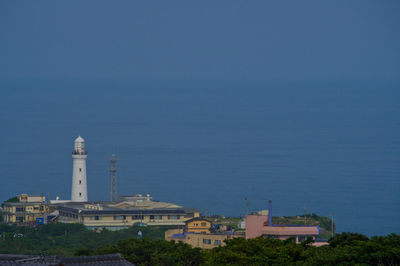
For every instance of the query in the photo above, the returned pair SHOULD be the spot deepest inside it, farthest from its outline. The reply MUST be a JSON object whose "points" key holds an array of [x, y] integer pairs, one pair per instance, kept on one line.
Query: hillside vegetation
{"points": [[344, 249], [75, 239], [65, 239]]}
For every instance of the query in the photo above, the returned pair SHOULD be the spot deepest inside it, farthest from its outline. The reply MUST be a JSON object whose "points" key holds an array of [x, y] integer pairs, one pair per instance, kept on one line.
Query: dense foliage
{"points": [[13, 199], [160, 252], [349, 249], [345, 249], [75, 239], [65, 239]]}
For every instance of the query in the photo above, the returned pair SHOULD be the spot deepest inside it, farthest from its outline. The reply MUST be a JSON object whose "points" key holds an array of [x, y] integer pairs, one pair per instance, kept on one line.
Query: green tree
{"points": [[346, 238], [160, 252]]}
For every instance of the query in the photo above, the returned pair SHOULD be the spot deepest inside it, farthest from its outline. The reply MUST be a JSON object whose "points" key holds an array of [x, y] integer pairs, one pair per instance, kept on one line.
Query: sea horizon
{"points": [[331, 147]]}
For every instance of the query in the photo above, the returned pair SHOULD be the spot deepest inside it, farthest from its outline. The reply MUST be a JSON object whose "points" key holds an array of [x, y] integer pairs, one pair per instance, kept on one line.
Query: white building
{"points": [[79, 184]]}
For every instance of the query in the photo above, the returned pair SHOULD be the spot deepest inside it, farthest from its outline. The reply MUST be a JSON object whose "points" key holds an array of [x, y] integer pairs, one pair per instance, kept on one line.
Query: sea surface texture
{"points": [[331, 148]]}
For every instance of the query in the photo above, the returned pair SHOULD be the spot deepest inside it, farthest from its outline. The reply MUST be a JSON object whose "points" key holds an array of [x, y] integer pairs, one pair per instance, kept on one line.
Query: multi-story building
{"points": [[198, 225], [121, 215], [25, 210], [261, 225], [197, 234], [201, 240]]}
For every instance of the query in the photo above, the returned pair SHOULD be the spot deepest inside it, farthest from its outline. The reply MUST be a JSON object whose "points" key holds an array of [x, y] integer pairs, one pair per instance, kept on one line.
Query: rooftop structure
{"points": [[31, 198], [136, 197]]}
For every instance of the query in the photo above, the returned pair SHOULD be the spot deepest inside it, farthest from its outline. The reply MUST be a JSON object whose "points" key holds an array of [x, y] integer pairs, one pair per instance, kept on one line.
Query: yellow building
{"points": [[26, 210], [200, 240], [198, 225]]}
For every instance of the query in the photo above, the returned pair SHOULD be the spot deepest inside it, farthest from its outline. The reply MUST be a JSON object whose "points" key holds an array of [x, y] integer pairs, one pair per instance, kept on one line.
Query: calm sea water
{"points": [[331, 148]]}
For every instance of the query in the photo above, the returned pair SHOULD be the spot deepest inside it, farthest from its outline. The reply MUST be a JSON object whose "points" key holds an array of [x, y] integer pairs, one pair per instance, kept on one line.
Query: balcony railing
{"points": [[79, 152]]}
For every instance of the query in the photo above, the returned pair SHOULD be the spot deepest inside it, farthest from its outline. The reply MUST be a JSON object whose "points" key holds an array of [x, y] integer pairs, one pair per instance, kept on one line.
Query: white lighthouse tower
{"points": [[79, 185]]}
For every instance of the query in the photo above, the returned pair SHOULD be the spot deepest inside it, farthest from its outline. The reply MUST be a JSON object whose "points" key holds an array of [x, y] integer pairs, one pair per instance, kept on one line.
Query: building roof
{"points": [[197, 219], [287, 230], [14, 259], [124, 208], [79, 139], [103, 260], [22, 203], [34, 260]]}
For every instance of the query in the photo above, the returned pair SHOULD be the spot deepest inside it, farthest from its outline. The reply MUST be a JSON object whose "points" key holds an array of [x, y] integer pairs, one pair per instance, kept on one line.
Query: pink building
{"points": [[258, 225]]}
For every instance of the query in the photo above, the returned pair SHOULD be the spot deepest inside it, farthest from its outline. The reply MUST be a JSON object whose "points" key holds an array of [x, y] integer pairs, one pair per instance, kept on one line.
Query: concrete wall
{"points": [[126, 220], [254, 225]]}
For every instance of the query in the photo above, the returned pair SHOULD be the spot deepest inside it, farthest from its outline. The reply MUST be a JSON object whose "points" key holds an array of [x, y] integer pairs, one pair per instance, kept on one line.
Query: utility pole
{"points": [[247, 206], [333, 233]]}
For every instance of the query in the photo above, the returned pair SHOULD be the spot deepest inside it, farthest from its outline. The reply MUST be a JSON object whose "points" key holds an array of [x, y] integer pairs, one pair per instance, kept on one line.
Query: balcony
{"points": [[79, 152]]}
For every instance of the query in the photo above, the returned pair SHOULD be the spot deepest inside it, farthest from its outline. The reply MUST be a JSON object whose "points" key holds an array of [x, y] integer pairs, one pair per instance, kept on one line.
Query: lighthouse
{"points": [[79, 185]]}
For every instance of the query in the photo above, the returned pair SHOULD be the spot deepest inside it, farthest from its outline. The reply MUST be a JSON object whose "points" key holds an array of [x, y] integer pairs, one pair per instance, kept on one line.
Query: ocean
{"points": [[332, 148]]}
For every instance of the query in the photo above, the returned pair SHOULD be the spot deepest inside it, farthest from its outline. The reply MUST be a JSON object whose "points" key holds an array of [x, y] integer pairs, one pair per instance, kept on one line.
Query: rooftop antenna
{"points": [[269, 212], [113, 178], [247, 206]]}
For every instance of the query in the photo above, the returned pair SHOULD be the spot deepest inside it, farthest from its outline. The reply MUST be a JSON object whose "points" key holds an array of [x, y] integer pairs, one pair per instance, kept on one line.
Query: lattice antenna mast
{"points": [[113, 178]]}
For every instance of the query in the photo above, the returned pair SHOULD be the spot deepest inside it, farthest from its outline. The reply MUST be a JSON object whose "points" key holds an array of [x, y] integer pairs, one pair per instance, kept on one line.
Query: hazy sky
{"points": [[211, 40]]}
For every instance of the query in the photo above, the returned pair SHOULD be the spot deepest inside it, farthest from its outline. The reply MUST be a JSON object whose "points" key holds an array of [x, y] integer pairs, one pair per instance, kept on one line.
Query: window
{"points": [[80, 194], [95, 218], [302, 238], [137, 217], [157, 217], [217, 242], [206, 241], [80, 169], [80, 182], [36, 208], [19, 219], [151, 217], [21, 209], [120, 217], [174, 217], [203, 224]]}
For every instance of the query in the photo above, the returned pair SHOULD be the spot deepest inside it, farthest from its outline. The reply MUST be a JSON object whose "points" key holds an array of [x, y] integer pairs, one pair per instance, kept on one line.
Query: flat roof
{"points": [[123, 208], [286, 230], [22, 203]]}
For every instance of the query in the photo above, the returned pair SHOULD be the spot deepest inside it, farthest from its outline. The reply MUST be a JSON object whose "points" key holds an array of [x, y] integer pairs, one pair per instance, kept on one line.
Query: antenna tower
{"points": [[113, 178]]}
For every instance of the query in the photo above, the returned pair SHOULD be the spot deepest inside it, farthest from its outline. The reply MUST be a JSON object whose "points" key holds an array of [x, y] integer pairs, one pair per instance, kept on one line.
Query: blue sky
{"points": [[200, 40]]}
